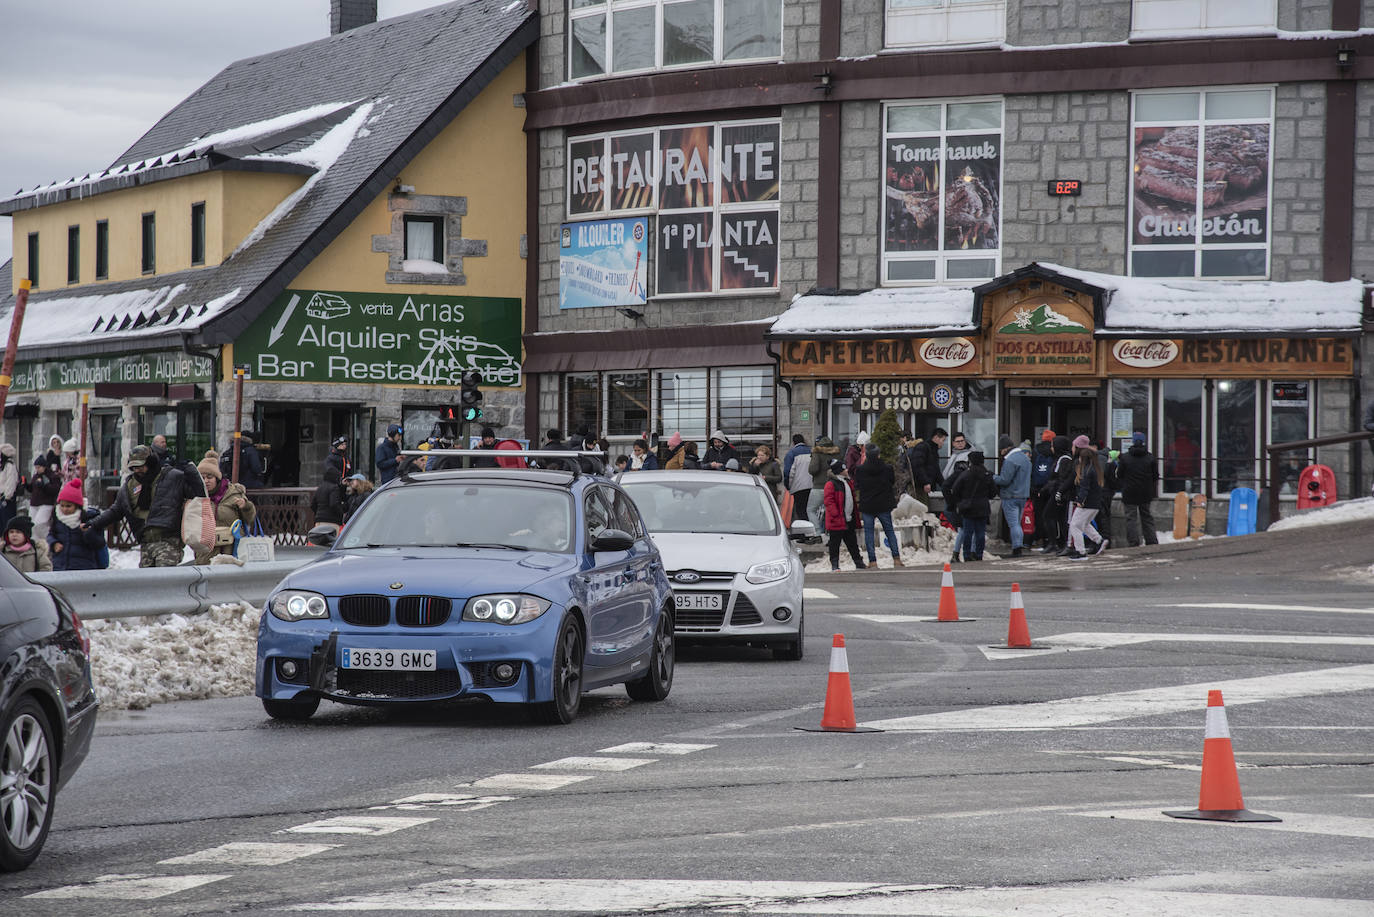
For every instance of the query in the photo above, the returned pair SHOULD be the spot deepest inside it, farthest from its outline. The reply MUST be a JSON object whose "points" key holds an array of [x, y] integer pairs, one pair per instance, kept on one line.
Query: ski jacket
{"points": [[795, 473], [171, 490], [1042, 465], [925, 465], [388, 459], [971, 493], [80, 547], [819, 465], [877, 484], [33, 559], [1136, 473], [838, 494], [1089, 490]]}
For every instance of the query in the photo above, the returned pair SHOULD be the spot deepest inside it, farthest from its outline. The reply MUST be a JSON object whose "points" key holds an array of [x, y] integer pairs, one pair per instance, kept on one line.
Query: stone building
{"points": [[1186, 182]]}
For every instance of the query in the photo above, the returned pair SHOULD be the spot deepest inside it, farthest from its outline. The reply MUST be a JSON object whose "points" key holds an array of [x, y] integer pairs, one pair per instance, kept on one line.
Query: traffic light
{"points": [[471, 398]]}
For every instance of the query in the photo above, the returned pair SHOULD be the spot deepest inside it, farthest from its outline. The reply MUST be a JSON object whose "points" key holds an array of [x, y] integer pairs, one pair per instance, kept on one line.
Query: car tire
{"points": [[566, 675], [793, 650], [295, 710], [28, 775], [658, 681]]}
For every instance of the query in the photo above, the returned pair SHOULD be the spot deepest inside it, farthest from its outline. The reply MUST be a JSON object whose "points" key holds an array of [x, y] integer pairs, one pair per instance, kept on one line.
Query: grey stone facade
{"points": [[1061, 22], [1306, 15], [861, 198]]}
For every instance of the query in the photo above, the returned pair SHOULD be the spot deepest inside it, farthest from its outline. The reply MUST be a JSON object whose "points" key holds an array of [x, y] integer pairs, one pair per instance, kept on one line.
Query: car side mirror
{"points": [[802, 529], [613, 540]]}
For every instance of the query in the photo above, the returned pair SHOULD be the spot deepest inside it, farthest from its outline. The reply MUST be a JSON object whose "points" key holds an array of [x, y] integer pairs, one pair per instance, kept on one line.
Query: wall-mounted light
{"points": [[403, 189], [630, 313], [824, 82], [1345, 58]]}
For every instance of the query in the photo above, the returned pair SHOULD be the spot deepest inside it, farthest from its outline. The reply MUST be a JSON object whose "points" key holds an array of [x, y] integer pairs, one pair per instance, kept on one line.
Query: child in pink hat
{"points": [[71, 547]]}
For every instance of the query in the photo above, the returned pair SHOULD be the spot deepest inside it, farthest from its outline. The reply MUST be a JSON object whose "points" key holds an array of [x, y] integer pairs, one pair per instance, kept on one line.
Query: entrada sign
{"points": [[400, 339]]}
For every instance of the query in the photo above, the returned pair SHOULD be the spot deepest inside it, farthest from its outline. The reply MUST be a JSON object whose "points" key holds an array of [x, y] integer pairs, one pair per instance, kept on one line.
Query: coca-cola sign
{"points": [[1145, 354], [947, 353]]}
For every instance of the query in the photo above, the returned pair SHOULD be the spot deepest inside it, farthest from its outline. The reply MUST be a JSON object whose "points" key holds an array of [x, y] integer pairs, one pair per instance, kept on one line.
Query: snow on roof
{"points": [[129, 313], [877, 311], [1166, 304]]}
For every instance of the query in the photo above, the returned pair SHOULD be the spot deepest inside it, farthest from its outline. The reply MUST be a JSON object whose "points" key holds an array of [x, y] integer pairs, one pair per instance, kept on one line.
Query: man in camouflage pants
{"points": [[151, 498]]}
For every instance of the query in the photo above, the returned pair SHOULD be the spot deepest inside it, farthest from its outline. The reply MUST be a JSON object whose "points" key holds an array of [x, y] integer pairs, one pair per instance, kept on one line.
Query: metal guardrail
{"points": [[1302, 445], [185, 590]]}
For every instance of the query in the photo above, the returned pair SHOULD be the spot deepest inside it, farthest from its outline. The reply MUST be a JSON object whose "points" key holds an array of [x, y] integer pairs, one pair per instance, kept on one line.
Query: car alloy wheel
{"points": [[567, 676], [27, 778], [658, 681]]}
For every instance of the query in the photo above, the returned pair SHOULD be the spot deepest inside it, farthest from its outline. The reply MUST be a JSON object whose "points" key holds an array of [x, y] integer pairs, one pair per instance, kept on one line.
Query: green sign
{"points": [[169, 367], [401, 339]]}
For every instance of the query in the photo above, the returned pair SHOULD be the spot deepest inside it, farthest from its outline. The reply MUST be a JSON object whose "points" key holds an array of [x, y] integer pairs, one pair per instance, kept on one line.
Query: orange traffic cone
{"points": [[1219, 797], [839, 698], [1018, 634], [949, 608]]}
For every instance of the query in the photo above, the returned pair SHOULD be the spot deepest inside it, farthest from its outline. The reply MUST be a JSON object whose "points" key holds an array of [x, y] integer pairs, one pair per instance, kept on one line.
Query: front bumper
{"points": [[748, 612], [466, 655]]}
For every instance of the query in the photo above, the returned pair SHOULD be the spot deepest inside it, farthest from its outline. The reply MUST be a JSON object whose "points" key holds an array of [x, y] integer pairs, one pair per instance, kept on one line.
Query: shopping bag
{"points": [[1028, 519], [788, 508], [198, 524], [257, 547]]}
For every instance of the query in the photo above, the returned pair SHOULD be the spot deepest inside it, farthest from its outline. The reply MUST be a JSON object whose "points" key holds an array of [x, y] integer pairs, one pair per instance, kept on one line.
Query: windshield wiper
{"points": [[483, 544]]}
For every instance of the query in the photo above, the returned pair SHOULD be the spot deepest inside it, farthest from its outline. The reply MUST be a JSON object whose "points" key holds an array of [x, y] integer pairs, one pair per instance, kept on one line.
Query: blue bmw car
{"points": [[520, 586]]}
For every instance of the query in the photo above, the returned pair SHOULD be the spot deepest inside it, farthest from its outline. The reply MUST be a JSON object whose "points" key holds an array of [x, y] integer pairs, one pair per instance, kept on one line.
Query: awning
{"points": [[739, 344]]}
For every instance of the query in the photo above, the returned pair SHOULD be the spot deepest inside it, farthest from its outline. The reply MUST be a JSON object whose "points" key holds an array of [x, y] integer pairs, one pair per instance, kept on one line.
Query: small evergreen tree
{"points": [[887, 436]]}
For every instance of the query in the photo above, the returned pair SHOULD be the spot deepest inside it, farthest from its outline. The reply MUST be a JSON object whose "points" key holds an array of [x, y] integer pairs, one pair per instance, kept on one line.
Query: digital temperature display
{"points": [[1060, 187]]}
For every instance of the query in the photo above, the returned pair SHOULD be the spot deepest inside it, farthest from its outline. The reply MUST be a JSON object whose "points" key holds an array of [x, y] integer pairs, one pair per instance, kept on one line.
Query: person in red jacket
{"points": [[842, 515]]}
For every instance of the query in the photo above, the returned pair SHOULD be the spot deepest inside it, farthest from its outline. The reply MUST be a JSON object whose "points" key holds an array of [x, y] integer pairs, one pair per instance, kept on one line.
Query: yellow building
{"points": [[343, 220]]}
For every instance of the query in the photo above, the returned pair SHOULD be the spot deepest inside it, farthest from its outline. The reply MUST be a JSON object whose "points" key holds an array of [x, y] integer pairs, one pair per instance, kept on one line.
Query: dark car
{"points": [[47, 710], [517, 586]]}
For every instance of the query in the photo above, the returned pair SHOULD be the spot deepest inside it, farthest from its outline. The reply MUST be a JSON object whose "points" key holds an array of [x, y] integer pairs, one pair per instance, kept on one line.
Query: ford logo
{"points": [[687, 576]]}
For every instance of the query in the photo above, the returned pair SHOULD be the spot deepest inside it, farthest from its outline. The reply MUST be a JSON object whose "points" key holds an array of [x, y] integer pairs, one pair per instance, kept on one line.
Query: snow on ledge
{"points": [[882, 310], [1344, 511]]}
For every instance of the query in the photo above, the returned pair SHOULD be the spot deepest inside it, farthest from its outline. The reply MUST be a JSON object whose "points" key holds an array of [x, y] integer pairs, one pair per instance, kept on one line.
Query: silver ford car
{"points": [[734, 566]]}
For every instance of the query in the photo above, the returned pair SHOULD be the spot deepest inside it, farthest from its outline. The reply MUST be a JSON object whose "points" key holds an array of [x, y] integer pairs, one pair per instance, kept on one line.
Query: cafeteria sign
{"points": [[401, 339]]}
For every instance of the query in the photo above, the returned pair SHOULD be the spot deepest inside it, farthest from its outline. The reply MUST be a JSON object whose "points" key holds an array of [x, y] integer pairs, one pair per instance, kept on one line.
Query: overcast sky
{"points": [[81, 80]]}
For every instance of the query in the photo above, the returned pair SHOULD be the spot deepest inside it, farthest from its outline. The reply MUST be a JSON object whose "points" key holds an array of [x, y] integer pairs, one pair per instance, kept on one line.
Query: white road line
{"points": [[1301, 823], [372, 825], [593, 763], [1105, 708], [135, 887], [1131, 898], [526, 781], [1339, 609], [468, 802], [814, 592], [1077, 641], [248, 853], [654, 748], [892, 619]]}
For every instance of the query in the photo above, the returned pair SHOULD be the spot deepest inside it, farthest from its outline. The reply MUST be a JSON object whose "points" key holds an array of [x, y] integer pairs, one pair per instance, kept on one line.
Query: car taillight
{"points": [[81, 633]]}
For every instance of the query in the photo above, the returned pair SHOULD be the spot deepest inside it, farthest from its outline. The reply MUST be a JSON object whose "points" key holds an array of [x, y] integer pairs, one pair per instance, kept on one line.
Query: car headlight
{"points": [[769, 571], [504, 608], [297, 604]]}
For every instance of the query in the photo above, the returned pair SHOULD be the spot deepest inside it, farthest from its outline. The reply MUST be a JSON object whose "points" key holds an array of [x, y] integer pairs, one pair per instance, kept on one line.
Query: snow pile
{"points": [[136, 662], [893, 309], [941, 546], [1166, 304], [1345, 511]]}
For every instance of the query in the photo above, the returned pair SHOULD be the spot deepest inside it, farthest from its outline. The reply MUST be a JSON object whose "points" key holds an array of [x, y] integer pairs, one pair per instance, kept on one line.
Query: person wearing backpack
{"points": [[70, 546], [971, 495], [796, 475], [1058, 492], [1042, 464]]}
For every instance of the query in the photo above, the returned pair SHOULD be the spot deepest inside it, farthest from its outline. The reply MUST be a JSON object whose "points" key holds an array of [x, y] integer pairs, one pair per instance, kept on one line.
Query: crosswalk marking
{"points": [[1104, 708], [1122, 898], [892, 619], [373, 825], [133, 887], [593, 763], [1073, 642], [1337, 825], [468, 802], [654, 748], [526, 781], [248, 853], [1338, 609], [815, 592]]}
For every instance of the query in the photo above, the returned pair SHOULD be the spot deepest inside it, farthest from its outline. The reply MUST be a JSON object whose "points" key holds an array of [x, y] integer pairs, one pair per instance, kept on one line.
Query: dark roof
{"points": [[417, 72]]}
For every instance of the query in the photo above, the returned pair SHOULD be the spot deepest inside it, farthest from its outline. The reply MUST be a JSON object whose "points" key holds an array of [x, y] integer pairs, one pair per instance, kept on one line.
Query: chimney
{"points": [[345, 15]]}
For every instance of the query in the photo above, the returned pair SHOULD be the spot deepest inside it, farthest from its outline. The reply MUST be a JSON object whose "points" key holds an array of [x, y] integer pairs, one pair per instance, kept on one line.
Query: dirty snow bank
{"points": [[1345, 511]]}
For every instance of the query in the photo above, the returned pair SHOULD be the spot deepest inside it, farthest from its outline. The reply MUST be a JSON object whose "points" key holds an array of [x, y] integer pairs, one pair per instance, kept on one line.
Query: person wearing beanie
{"points": [[71, 546], [971, 496], [796, 477], [488, 441], [1013, 482], [1137, 477], [231, 505], [841, 514], [1042, 465], [1087, 501], [677, 453], [818, 466], [20, 548], [1059, 493], [43, 489], [71, 465], [387, 455], [1047, 435], [151, 499], [719, 452]]}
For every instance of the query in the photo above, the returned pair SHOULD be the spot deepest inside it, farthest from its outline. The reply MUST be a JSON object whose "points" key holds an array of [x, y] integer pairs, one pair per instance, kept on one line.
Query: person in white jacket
{"points": [[9, 483]]}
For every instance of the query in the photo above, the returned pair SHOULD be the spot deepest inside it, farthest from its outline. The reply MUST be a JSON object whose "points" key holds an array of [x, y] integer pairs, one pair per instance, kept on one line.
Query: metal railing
{"points": [[284, 512], [185, 590], [1298, 445]]}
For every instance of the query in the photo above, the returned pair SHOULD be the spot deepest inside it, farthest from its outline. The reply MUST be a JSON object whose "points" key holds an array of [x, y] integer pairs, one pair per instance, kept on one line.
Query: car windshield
{"points": [[451, 514], [703, 506]]}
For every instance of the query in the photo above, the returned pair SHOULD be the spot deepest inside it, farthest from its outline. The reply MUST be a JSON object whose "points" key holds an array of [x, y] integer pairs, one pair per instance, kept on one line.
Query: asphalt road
{"points": [[1003, 781]]}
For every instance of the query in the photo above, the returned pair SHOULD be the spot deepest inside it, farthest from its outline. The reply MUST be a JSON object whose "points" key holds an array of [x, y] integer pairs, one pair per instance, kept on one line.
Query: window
{"points": [[1182, 449], [979, 420], [945, 22], [1211, 221], [198, 233], [1130, 411], [625, 36], [942, 191], [584, 403], [149, 259], [1166, 18], [73, 254], [682, 402], [33, 258], [1237, 430], [714, 186], [102, 250], [1290, 420], [744, 402], [627, 408], [424, 239]]}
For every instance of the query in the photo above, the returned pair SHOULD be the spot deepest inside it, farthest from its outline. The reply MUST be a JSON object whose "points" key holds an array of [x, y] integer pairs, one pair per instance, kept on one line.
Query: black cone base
{"points": [[832, 729], [1235, 815]]}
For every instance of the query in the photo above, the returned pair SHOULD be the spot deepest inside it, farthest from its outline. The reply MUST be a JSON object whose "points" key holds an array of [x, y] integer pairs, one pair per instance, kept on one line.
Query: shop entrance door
{"points": [[1066, 416]]}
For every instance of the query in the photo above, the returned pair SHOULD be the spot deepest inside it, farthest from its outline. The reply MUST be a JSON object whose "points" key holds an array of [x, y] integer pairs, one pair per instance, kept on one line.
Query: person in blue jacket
{"points": [[70, 546], [1013, 483], [388, 454]]}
